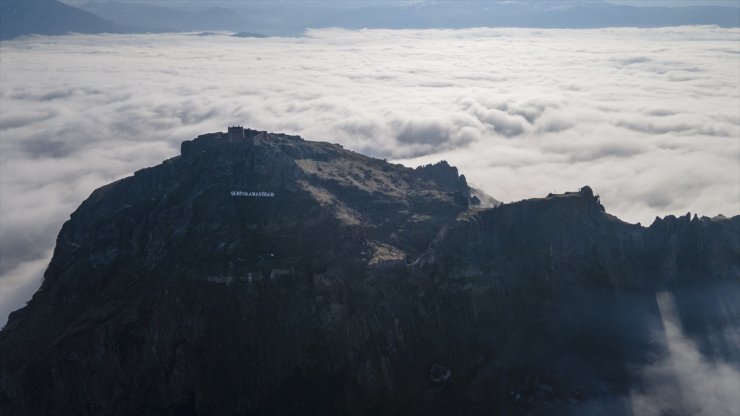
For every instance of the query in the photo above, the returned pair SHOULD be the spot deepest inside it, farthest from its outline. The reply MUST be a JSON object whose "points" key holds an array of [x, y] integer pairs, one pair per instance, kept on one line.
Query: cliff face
{"points": [[272, 275]]}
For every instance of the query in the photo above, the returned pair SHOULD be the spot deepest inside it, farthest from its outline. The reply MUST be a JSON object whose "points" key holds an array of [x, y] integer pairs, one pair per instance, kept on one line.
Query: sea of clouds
{"points": [[650, 118]]}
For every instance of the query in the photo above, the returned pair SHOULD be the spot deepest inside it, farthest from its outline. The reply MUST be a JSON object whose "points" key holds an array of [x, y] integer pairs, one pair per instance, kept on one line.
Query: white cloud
{"points": [[649, 118], [685, 382]]}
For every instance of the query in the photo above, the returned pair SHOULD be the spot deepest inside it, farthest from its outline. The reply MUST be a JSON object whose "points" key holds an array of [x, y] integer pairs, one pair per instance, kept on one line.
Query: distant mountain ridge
{"points": [[52, 17], [165, 19], [466, 14], [49, 17]]}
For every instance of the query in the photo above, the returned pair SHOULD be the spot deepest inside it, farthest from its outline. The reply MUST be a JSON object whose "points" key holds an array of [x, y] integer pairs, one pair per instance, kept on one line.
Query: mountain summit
{"points": [[261, 273]]}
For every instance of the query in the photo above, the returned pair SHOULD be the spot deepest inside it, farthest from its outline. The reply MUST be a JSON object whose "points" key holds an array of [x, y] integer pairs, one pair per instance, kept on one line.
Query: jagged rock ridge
{"points": [[260, 273]]}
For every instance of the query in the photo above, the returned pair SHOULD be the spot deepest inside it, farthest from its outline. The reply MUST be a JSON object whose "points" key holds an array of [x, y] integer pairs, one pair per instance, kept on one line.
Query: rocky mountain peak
{"points": [[260, 273]]}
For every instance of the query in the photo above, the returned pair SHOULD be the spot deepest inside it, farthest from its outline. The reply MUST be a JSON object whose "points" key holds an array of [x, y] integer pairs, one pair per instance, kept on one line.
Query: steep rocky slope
{"points": [[270, 275]]}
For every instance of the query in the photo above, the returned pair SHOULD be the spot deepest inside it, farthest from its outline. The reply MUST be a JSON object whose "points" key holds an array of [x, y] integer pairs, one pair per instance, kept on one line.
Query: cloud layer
{"points": [[649, 118]]}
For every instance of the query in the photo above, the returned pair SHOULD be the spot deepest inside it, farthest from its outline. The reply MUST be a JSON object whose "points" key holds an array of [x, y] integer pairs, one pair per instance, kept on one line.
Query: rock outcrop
{"points": [[272, 275]]}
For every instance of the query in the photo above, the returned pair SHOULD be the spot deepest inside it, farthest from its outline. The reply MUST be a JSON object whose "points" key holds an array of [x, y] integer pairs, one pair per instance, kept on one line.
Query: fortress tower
{"points": [[236, 132]]}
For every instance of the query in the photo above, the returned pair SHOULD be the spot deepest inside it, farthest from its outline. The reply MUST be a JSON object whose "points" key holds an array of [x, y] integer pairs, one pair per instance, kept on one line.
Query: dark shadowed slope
{"points": [[271, 275], [48, 17]]}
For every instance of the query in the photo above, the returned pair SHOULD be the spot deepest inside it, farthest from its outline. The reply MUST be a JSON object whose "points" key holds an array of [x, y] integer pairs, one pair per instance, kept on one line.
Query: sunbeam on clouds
{"points": [[685, 382], [650, 118]]}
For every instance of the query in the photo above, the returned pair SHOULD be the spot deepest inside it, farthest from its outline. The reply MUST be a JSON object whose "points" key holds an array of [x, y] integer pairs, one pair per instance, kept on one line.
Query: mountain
{"points": [[260, 273], [166, 19], [19, 17], [48, 17], [248, 35], [572, 15]]}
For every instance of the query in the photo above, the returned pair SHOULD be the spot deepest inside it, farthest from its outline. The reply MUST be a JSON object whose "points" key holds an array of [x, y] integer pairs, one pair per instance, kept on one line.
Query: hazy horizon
{"points": [[293, 18]]}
